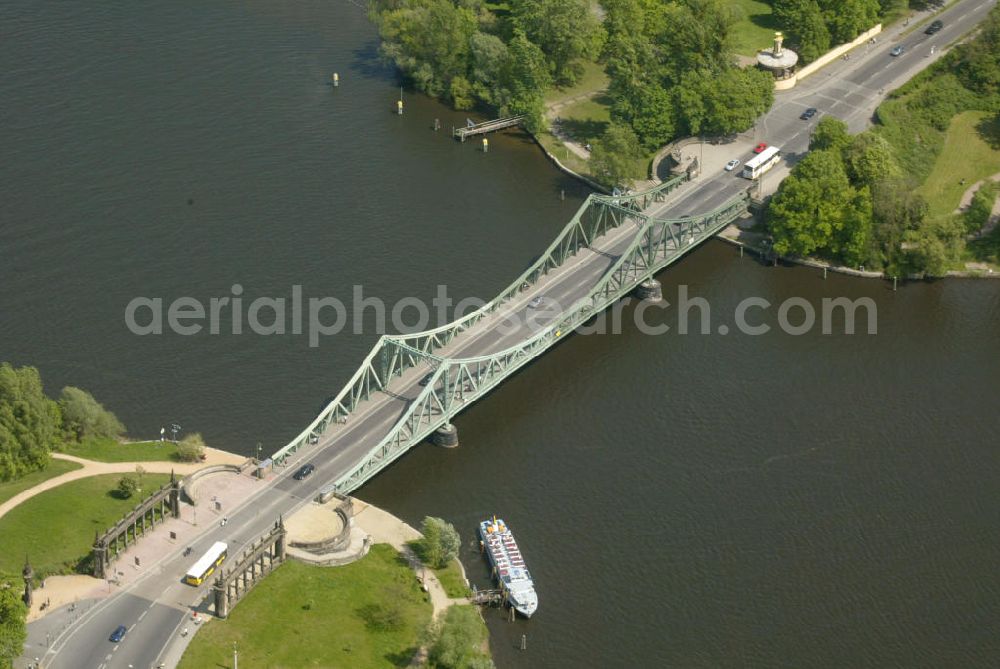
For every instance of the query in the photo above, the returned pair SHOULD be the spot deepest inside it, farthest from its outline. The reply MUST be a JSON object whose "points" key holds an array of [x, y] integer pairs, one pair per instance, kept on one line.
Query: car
{"points": [[427, 378], [536, 302], [760, 148], [304, 471], [808, 114], [897, 50], [934, 27], [117, 635], [732, 164]]}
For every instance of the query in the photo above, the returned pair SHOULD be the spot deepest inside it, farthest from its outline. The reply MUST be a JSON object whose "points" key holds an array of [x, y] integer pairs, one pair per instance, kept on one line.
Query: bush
{"points": [[29, 422], [191, 448], [127, 486], [981, 207], [458, 641], [83, 416], [382, 616], [439, 544]]}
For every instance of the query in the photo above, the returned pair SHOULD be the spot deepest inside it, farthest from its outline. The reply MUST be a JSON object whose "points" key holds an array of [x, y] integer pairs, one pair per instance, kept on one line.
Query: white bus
{"points": [[205, 565], [761, 163]]}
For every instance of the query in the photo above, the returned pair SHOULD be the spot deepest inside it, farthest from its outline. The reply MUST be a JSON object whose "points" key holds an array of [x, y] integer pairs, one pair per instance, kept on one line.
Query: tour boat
{"points": [[508, 565]]}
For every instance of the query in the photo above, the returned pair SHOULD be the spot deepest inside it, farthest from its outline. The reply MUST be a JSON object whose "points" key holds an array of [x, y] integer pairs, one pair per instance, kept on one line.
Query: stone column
{"points": [[175, 496], [221, 598]]}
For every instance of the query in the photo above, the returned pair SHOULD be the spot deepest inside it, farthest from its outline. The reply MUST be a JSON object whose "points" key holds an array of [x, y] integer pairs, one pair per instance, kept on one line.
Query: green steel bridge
{"points": [[410, 386]]}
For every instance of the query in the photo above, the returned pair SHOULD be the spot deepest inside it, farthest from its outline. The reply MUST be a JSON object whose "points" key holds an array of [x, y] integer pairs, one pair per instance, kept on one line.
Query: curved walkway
{"points": [[95, 468]]}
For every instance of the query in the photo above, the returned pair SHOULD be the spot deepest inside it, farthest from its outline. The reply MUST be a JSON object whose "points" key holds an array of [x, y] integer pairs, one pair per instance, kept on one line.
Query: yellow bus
{"points": [[205, 565]]}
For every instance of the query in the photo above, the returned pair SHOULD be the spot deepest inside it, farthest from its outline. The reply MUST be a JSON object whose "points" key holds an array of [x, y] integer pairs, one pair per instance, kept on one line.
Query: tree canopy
{"points": [[29, 422], [13, 628], [440, 542], [83, 416]]}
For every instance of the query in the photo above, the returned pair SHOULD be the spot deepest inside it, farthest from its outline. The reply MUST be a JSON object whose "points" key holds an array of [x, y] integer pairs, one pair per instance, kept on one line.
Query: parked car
{"points": [[934, 27], [117, 635], [304, 471], [808, 114], [732, 164], [760, 148], [897, 50]]}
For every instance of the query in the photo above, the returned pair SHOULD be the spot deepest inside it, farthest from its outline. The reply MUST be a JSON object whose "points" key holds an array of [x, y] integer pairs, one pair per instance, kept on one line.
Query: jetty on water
{"points": [[486, 126]]}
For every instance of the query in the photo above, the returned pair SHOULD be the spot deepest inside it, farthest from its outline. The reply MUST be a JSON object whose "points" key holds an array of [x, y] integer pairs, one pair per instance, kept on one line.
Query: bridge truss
{"points": [[453, 383]]}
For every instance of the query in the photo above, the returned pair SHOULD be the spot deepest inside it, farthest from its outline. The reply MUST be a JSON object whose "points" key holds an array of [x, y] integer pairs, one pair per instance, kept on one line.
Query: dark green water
{"points": [[823, 500]]}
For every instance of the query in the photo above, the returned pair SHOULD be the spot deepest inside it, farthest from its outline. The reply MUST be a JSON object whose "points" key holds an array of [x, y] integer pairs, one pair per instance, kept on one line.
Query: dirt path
{"points": [[94, 468]]}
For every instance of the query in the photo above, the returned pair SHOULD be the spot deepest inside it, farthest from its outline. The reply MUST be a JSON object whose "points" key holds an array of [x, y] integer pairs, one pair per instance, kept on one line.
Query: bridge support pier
{"points": [[651, 291], [445, 436]]}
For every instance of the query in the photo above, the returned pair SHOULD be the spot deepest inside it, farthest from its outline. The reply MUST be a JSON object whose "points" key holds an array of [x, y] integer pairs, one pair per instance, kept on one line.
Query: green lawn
{"points": [[452, 581], [364, 615], [109, 450], [593, 79], [56, 528], [967, 155], [55, 468], [756, 30]]}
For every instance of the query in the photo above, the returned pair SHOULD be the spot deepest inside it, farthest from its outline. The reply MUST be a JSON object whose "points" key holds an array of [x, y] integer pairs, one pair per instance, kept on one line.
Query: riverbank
{"points": [[384, 605]]}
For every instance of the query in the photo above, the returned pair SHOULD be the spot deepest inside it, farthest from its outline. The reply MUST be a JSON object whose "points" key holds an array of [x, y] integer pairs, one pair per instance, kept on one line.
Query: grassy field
{"points": [[364, 615], [756, 30], [593, 79], [109, 450], [968, 155], [55, 468], [452, 581], [56, 528]]}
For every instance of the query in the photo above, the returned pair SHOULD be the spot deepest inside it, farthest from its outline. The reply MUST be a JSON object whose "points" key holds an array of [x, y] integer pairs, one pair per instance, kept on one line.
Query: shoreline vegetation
{"points": [[602, 101]]}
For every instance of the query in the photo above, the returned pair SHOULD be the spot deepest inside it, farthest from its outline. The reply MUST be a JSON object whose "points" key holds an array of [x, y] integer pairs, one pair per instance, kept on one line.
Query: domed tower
{"points": [[779, 61]]}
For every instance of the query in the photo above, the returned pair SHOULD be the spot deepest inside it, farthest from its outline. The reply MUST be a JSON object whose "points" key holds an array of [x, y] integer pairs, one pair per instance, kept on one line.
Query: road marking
{"points": [[142, 615]]}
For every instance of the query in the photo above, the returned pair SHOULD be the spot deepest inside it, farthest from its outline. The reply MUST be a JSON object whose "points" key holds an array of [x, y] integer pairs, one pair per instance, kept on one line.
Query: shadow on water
{"points": [[367, 62]]}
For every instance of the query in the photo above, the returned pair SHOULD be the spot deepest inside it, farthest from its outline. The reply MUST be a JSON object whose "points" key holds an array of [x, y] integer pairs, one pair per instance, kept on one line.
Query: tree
{"points": [[979, 59], [802, 21], [525, 75], [127, 486], [846, 19], [735, 99], [83, 416], [817, 211], [830, 133], [191, 448], [614, 157], [13, 627], [440, 542], [428, 40], [897, 211], [650, 110], [981, 208], [139, 471], [29, 422], [565, 30], [870, 159], [457, 642]]}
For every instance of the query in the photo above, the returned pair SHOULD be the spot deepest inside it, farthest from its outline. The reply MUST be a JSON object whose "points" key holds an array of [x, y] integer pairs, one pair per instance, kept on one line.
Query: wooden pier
{"points": [[486, 126], [487, 597]]}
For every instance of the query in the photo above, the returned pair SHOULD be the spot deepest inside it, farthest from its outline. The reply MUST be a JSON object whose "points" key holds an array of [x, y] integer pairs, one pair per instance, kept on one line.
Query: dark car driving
{"points": [[304, 471], [934, 27], [808, 114], [117, 635]]}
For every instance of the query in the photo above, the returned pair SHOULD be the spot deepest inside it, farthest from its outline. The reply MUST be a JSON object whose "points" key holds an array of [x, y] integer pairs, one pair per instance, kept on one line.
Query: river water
{"points": [[682, 500]]}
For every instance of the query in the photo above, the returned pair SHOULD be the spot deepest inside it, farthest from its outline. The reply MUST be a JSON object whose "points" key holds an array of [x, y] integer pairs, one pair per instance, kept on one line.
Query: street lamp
{"points": [[235, 657], [258, 452]]}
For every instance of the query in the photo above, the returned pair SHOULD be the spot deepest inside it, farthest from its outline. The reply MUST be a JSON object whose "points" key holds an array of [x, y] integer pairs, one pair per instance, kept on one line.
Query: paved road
{"points": [[155, 606]]}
